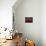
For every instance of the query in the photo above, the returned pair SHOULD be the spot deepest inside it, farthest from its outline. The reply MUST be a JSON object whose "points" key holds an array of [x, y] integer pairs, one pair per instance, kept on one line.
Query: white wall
{"points": [[6, 13], [43, 22], [29, 8]]}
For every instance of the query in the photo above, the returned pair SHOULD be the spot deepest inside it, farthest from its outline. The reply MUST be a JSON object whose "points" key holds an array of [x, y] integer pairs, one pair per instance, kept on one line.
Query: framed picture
{"points": [[28, 19]]}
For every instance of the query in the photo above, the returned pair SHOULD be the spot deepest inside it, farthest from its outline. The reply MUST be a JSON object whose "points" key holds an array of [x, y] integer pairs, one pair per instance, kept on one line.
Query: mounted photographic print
{"points": [[28, 19]]}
